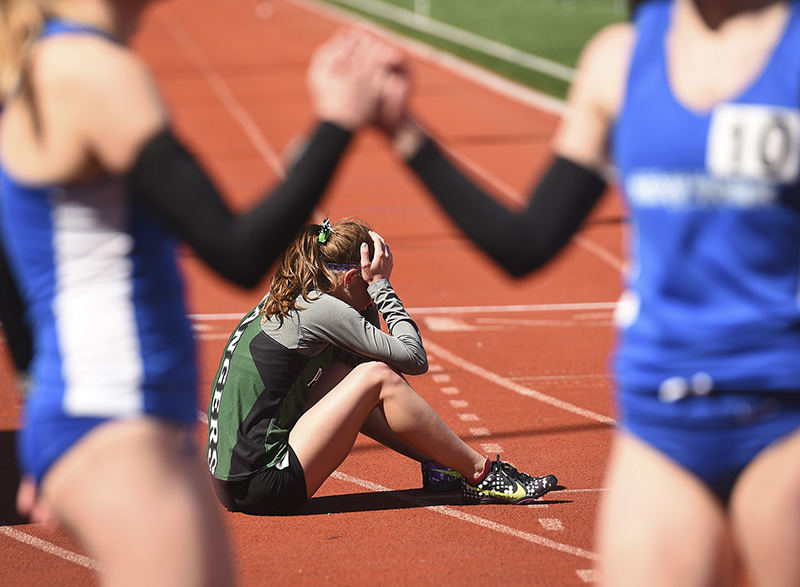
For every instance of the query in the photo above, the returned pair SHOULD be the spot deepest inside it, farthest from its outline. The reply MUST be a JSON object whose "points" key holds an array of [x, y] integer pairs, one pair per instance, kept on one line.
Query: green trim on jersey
{"points": [[293, 407], [237, 387], [236, 370], [262, 383]]}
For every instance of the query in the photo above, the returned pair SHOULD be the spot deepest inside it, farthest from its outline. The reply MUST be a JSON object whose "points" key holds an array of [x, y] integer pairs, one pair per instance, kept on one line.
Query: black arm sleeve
{"points": [[518, 241], [240, 248]]}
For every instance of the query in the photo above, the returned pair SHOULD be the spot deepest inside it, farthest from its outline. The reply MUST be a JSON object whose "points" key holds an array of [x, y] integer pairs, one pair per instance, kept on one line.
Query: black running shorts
{"points": [[273, 491]]}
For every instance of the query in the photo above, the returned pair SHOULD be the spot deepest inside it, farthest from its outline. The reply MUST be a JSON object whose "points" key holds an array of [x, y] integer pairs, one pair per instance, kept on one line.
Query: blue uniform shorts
{"points": [[47, 432], [42, 444], [714, 436]]}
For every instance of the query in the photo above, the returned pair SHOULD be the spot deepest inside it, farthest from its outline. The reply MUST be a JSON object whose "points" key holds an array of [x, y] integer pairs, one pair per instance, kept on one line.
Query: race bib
{"points": [[754, 142]]}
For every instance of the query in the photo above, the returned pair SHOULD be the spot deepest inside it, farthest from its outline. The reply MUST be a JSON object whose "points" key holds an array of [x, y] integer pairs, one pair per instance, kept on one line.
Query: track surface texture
{"points": [[518, 368]]}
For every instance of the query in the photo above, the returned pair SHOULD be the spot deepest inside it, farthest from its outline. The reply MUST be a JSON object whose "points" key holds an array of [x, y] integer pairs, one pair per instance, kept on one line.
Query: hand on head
{"points": [[349, 75], [380, 266]]}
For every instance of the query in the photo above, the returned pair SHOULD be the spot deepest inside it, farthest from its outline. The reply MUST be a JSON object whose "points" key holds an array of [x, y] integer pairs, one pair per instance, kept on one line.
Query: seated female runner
{"points": [[309, 368]]}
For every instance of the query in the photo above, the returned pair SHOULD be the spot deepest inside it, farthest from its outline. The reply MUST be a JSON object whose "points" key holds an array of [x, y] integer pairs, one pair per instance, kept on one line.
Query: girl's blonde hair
{"points": [[20, 23], [305, 264]]}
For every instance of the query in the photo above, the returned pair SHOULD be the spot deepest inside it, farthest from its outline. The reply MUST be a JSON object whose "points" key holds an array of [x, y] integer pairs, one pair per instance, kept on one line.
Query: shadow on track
{"points": [[9, 479], [375, 501]]}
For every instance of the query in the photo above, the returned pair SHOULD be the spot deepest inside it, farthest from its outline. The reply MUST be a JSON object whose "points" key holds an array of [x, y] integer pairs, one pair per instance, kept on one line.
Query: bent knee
{"points": [[376, 373]]}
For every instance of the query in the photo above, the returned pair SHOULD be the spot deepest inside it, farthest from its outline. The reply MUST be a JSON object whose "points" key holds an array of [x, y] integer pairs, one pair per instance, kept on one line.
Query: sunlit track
{"points": [[221, 89], [50, 548], [494, 82], [234, 107], [517, 92], [514, 196], [464, 38], [433, 310], [477, 520], [441, 352], [534, 410]]}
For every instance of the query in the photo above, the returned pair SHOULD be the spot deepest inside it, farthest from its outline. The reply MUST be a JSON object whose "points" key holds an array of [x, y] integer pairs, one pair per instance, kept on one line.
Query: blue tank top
{"points": [[103, 295], [713, 284]]}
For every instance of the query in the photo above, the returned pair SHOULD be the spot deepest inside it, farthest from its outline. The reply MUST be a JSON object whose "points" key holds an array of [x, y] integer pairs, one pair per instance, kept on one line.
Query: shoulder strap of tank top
{"points": [[54, 28]]}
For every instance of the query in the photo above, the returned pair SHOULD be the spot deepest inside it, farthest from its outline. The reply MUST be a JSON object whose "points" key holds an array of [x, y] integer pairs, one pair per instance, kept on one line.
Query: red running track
{"points": [[517, 367]]}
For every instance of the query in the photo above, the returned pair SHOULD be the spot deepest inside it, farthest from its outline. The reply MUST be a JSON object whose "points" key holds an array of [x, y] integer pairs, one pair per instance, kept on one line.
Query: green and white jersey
{"points": [[268, 366]]}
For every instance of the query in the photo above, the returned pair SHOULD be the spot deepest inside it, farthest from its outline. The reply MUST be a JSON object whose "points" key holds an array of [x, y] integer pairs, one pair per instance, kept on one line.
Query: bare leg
{"points": [[377, 428], [765, 514], [141, 505], [375, 425], [658, 524], [332, 376], [325, 434]]}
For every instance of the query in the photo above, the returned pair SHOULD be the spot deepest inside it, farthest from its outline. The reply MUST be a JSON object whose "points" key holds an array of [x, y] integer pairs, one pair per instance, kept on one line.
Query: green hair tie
{"points": [[324, 231]]}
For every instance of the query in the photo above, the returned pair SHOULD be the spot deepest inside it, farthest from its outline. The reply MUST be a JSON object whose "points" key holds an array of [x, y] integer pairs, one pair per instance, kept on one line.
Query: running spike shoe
{"points": [[436, 477], [504, 484]]}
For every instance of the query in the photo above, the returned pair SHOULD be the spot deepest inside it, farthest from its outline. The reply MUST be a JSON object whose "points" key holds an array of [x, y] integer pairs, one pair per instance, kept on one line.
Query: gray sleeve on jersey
{"points": [[335, 321], [370, 315]]}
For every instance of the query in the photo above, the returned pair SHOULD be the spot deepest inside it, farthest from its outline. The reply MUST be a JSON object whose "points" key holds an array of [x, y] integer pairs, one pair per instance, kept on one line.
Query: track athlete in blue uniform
{"points": [[309, 368], [697, 104], [94, 188]]}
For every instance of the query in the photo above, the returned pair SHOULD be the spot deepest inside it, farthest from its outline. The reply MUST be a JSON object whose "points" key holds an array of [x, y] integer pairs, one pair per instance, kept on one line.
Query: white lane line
{"points": [[441, 378], [50, 548], [552, 524], [264, 10], [270, 156], [216, 317], [212, 336], [588, 575], [510, 308], [424, 24], [599, 251], [202, 330], [480, 432], [447, 324], [559, 377], [540, 323], [506, 383], [600, 316], [513, 195], [489, 80], [432, 310], [472, 519], [225, 95]]}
